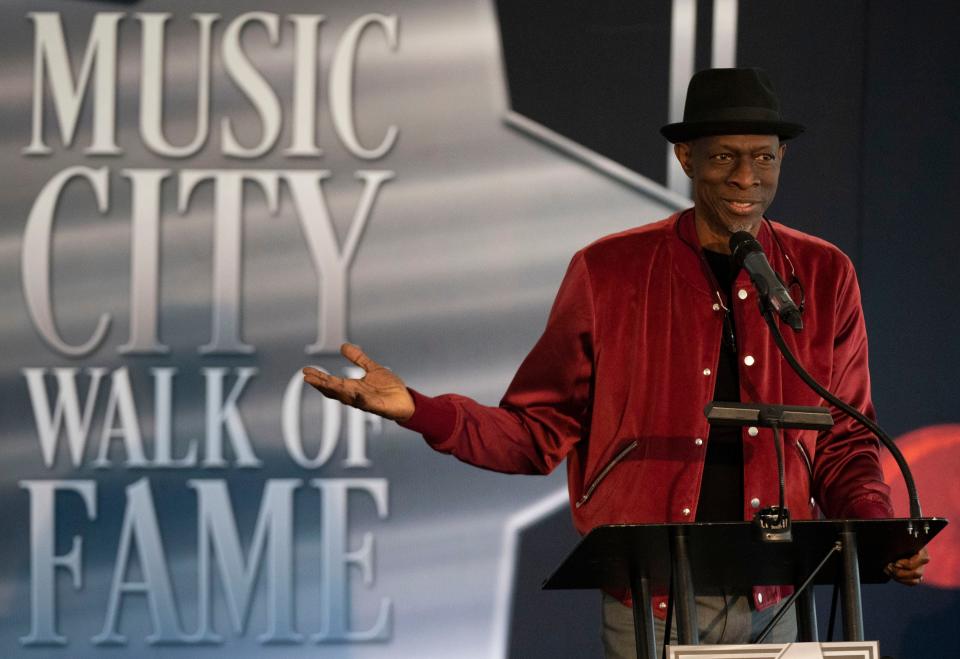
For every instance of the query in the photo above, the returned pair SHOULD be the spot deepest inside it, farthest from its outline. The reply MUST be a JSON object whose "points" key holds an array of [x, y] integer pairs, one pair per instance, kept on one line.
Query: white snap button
{"points": [[753, 431], [742, 294], [706, 371], [686, 512], [749, 360], [662, 605], [716, 307], [698, 441], [759, 598], [755, 502]]}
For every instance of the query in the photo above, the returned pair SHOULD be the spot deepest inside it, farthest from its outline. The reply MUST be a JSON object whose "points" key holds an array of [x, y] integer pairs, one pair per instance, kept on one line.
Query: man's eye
{"points": [[767, 157], [722, 157]]}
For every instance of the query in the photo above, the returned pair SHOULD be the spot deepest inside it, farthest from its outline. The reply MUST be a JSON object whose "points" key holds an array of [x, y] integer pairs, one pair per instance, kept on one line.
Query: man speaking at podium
{"points": [[651, 324]]}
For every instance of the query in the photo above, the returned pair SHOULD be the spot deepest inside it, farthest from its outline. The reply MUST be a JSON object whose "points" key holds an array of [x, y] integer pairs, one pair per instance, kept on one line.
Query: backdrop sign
{"points": [[91, 417], [200, 200]]}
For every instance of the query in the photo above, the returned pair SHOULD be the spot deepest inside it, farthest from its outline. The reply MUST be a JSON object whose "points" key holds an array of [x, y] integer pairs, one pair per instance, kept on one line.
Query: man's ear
{"points": [[684, 154], [782, 150]]}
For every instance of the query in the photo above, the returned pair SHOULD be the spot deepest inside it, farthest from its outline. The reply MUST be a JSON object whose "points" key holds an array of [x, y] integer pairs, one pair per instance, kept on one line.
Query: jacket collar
{"points": [[687, 259], [688, 231]]}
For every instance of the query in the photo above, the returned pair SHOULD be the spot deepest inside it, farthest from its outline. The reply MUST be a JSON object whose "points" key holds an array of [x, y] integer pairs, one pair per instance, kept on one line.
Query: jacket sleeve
{"points": [[847, 476], [544, 411]]}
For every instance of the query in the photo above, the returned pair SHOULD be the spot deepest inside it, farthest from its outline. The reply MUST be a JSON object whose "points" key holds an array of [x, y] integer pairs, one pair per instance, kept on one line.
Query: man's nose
{"points": [[744, 174]]}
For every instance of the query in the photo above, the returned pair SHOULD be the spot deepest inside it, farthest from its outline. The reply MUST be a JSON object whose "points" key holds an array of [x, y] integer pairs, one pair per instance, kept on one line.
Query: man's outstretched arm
{"points": [[537, 422]]}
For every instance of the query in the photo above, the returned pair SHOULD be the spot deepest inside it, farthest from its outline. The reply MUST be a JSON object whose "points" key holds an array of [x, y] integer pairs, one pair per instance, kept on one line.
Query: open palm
{"points": [[379, 391]]}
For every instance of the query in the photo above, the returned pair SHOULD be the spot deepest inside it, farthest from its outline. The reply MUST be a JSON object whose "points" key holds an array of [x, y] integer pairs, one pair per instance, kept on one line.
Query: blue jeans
{"points": [[726, 619]]}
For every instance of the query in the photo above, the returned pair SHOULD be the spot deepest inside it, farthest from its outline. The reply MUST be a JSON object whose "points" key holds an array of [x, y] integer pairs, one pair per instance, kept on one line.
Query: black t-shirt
{"points": [[721, 491]]}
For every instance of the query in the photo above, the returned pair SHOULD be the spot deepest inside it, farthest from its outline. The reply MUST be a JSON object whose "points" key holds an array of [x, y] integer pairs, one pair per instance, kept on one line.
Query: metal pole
{"points": [[850, 592], [686, 607], [806, 617], [642, 616]]}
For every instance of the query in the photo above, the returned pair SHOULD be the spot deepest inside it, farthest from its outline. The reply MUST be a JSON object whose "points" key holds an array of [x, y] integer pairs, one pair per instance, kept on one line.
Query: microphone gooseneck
{"points": [[849, 410], [748, 253]]}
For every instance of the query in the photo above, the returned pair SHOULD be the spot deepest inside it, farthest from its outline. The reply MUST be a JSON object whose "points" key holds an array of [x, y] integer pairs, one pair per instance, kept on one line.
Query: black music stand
{"points": [[641, 557]]}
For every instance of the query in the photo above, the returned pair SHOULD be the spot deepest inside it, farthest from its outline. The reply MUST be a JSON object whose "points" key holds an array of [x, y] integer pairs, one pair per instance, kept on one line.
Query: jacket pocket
{"points": [[624, 452]]}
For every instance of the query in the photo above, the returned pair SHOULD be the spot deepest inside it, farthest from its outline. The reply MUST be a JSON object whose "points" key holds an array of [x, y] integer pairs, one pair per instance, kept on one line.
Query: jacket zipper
{"points": [[806, 461], [809, 464], [606, 470]]}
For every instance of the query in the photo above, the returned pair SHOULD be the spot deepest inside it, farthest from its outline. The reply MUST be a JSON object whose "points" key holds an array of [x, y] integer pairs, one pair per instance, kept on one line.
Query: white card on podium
{"points": [[841, 650]]}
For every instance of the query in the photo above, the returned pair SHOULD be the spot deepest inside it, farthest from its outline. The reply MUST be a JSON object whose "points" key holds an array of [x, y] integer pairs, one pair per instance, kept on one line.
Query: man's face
{"points": [[734, 178]]}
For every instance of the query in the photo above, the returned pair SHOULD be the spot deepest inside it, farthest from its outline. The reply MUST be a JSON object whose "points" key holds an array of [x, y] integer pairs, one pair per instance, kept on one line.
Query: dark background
{"points": [[876, 84]]}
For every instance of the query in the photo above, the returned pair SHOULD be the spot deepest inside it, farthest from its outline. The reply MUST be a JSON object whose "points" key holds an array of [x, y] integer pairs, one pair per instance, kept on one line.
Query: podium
{"points": [[642, 557]]}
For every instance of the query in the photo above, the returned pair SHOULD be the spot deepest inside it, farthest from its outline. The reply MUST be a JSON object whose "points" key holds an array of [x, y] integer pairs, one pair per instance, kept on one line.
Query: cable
{"points": [[778, 443]]}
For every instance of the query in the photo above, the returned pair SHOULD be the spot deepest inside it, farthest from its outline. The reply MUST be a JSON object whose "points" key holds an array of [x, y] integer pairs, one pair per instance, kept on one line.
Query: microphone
{"points": [[748, 254]]}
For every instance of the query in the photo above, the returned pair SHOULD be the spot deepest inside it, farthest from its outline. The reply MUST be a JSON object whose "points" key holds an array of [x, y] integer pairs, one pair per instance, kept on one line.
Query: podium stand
{"points": [[641, 558]]}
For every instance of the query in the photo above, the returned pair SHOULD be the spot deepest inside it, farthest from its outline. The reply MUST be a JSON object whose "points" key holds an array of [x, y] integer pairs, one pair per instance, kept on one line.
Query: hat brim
{"points": [[691, 130]]}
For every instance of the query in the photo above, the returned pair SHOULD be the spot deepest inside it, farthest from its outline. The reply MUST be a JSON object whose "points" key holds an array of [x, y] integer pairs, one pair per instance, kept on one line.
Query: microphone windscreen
{"points": [[743, 243]]}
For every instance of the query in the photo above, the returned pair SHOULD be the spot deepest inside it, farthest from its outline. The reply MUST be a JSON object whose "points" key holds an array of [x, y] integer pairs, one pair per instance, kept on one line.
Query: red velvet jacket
{"points": [[618, 382]]}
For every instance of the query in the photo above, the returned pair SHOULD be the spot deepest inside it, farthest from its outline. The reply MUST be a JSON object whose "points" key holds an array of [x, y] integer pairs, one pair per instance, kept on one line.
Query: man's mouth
{"points": [[742, 207]]}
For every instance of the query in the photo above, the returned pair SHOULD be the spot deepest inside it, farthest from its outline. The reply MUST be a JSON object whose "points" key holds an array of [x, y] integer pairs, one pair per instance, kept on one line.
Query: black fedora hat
{"points": [[730, 102]]}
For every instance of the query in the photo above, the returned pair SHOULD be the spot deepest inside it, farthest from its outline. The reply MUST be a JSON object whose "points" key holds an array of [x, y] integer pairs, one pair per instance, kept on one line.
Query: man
{"points": [[651, 324]]}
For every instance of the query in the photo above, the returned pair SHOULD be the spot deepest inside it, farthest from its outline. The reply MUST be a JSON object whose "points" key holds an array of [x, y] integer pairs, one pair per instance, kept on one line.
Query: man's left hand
{"points": [[909, 571]]}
